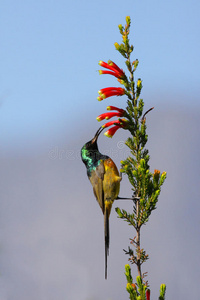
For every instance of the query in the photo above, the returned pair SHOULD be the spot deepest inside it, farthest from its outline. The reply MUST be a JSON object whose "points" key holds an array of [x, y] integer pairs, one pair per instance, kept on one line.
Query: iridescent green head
{"points": [[90, 151]]}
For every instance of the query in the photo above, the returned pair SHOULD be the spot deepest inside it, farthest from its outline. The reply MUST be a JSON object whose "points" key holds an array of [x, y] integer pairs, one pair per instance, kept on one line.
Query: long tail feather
{"points": [[106, 234]]}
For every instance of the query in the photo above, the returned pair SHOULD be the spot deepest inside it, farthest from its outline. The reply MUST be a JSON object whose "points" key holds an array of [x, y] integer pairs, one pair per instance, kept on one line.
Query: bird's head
{"points": [[91, 148]]}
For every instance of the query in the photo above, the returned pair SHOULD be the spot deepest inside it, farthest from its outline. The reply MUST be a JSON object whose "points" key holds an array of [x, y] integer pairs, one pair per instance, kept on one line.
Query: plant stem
{"points": [[137, 201], [138, 239]]}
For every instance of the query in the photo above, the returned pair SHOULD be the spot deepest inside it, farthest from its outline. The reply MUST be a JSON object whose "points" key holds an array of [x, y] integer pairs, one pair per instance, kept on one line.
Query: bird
{"points": [[105, 179]]}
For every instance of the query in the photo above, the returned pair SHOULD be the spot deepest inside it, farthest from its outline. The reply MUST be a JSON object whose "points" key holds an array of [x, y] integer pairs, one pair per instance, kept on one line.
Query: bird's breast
{"points": [[111, 182]]}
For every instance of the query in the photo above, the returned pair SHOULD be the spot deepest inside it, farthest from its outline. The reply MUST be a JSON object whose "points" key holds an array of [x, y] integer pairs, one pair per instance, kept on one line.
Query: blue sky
{"points": [[51, 228], [49, 61]]}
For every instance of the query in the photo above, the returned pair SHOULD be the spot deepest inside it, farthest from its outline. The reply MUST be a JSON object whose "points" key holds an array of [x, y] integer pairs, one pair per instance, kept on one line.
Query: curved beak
{"points": [[97, 134]]}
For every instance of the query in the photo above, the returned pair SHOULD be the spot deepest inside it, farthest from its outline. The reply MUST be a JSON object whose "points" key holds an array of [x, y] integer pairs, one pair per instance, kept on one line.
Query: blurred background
{"points": [[51, 227]]}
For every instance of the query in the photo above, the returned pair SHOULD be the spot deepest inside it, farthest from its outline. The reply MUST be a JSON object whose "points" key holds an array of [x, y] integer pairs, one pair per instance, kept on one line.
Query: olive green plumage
{"points": [[104, 177]]}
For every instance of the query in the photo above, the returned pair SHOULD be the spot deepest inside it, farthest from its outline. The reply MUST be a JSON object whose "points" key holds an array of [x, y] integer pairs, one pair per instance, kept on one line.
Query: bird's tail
{"points": [[106, 234]]}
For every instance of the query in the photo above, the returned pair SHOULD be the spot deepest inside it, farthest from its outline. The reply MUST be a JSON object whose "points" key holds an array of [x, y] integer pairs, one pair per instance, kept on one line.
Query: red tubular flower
{"points": [[148, 294], [111, 131], [112, 64], [110, 107], [115, 70], [121, 123], [110, 91], [108, 72], [108, 66], [108, 124], [120, 91], [99, 98], [109, 115]]}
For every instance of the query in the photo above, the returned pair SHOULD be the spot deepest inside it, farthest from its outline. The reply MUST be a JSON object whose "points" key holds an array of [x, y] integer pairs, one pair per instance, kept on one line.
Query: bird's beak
{"points": [[97, 134]]}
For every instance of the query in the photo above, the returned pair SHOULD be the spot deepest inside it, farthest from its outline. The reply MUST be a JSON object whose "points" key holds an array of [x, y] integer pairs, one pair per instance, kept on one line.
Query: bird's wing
{"points": [[96, 180]]}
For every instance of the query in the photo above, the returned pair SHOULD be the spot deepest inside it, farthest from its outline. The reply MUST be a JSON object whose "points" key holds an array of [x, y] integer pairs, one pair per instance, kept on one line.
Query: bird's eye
{"points": [[92, 154]]}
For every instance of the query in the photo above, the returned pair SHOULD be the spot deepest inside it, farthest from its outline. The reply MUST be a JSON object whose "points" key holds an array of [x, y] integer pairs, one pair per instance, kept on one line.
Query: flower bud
{"points": [[128, 20]]}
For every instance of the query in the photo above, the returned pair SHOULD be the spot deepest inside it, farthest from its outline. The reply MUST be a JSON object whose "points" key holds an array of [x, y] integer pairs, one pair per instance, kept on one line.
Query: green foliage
{"points": [[146, 185], [130, 287], [162, 292], [137, 291], [129, 218], [128, 274], [141, 288]]}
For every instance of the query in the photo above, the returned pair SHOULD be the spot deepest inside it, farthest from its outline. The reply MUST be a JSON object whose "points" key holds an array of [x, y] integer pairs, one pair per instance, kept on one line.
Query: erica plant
{"points": [[145, 185]]}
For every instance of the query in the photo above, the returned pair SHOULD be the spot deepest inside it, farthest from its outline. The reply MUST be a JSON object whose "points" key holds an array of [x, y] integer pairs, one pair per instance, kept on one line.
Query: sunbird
{"points": [[104, 177]]}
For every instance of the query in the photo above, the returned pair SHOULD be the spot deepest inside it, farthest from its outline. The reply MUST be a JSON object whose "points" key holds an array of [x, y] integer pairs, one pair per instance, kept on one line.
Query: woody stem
{"points": [[138, 239]]}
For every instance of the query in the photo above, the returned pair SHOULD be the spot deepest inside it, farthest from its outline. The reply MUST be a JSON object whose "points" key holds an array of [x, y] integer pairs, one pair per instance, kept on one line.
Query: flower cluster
{"points": [[120, 123], [108, 115], [112, 91], [114, 69]]}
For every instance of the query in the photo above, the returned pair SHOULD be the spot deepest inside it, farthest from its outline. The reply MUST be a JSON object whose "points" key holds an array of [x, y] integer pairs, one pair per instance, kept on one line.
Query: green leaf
{"points": [[128, 273], [162, 292], [118, 211]]}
